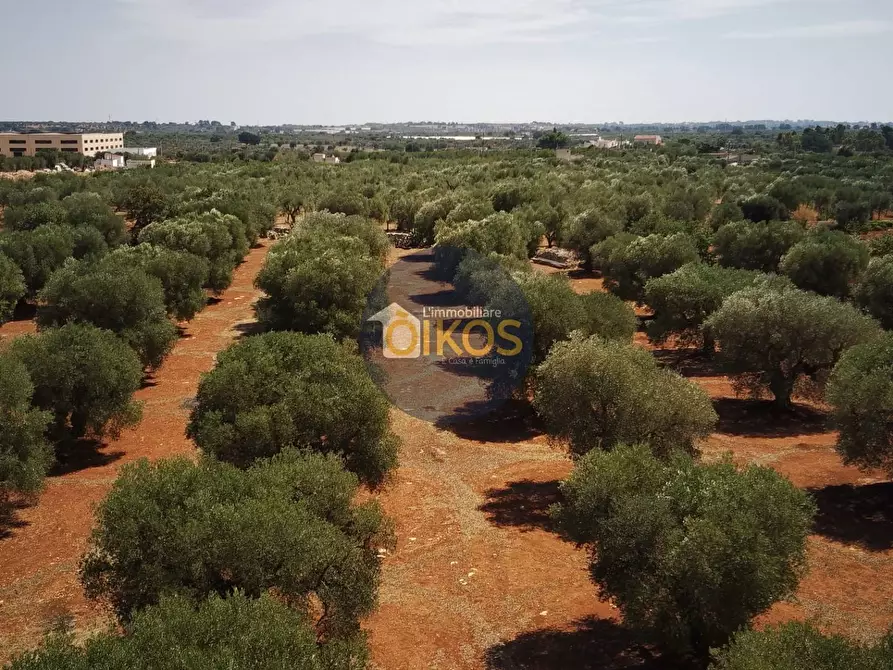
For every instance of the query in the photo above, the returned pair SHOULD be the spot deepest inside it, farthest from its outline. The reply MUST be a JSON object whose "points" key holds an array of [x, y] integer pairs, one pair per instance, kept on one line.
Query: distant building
{"points": [[602, 143], [332, 160], [319, 158], [655, 140], [89, 144], [143, 152], [110, 162]]}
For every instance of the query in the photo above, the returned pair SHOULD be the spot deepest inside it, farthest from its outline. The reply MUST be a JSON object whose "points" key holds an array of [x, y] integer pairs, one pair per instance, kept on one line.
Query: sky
{"points": [[339, 62]]}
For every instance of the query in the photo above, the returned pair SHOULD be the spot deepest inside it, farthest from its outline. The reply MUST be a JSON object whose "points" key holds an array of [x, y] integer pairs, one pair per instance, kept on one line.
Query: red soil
{"points": [[478, 579], [39, 558]]}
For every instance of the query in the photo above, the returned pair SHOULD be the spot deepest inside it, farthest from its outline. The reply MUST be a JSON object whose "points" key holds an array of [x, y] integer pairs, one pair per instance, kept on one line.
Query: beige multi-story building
{"points": [[89, 144]]}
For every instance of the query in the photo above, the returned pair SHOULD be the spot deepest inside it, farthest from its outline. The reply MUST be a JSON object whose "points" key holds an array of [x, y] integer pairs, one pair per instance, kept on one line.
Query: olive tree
{"points": [[690, 553], [797, 645], [773, 338], [317, 284], [123, 299], [861, 393], [587, 229], [287, 526], [827, 262], [233, 632], [38, 253], [182, 275], [90, 210], [596, 394], [29, 216], [145, 204], [556, 312], [84, 376], [25, 454], [12, 287], [498, 233], [682, 300], [881, 246], [221, 239], [874, 293], [627, 268], [756, 246], [281, 390], [763, 207]]}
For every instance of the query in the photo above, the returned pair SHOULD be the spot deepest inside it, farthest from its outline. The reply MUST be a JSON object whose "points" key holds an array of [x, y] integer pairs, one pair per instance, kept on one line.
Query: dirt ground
{"points": [[39, 554], [478, 578]]}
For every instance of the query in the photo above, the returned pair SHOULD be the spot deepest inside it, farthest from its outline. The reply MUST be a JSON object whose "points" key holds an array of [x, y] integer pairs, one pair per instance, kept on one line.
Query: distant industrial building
{"points": [[656, 140], [89, 144]]}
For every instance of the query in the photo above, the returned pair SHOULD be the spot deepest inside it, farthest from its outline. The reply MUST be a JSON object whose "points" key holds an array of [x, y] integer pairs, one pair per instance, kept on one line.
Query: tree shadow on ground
{"points": [[444, 298], [248, 329], [592, 644], [580, 273], [76, 455], [9, 519], [690, 363], [24, 311], [513, 421], [523, 504], [760, 418], [860, 515], [426, 256]]}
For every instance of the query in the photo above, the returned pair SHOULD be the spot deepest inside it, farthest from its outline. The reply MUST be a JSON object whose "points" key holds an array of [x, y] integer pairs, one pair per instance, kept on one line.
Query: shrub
{"points": [[596, 394], [861, 392], [282, 390], [682, 300], [800, 646], [12, 287], [25, 454], [627, 268], [287, 525], [84, 376], [827, 262], [875, 292], [756, 246], [122, 299], [689, 553], [773, 338], [236, 632]]}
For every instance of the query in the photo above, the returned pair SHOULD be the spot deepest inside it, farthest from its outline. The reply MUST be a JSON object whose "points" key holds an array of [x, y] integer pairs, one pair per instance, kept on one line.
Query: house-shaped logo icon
{"points": [[401, 332]]}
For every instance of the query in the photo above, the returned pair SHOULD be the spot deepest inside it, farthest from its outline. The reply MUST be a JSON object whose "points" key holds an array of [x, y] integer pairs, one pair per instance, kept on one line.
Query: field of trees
{"points": [[198, 470]]}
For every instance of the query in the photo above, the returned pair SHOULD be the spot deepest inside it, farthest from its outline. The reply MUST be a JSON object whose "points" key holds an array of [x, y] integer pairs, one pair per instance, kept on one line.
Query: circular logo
{"points": [[447, 334]]}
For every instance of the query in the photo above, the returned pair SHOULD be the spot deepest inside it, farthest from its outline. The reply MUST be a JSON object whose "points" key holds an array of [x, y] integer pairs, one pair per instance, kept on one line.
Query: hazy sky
{"points": [[353, 61]]}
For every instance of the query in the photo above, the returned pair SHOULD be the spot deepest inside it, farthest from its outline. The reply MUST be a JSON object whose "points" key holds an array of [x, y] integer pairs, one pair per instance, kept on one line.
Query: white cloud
{"points": [[415, 22], [397, 22], [840, 29]]}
